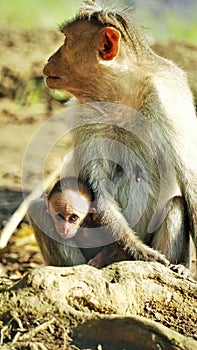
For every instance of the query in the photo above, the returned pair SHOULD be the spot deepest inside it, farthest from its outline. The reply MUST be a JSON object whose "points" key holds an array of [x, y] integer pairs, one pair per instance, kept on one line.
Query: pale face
{"points": [[68, 210]]}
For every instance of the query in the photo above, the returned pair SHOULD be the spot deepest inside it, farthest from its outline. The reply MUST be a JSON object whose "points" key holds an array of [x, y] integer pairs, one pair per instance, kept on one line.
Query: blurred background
{"points": [[165, 19]]}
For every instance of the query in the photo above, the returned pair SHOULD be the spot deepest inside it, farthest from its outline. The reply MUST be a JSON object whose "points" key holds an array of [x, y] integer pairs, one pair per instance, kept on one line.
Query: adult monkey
{"points": [[105, 57], [136, 202]]}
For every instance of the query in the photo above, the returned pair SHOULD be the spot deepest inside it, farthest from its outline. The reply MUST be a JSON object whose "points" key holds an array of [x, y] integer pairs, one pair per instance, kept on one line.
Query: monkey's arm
{"points": [[54, 252], [116, 223]]}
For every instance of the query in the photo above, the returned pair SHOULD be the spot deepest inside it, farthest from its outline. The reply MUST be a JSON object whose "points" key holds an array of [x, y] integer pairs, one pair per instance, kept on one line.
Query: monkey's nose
{"points": [[66, 230], [47, 70]]}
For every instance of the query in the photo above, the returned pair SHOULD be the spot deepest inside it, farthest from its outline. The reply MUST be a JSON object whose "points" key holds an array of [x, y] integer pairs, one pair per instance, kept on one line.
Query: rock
{"points": [[130, 303]]}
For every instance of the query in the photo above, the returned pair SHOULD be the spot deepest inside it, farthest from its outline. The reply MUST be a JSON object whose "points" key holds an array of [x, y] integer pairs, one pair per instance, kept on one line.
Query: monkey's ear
{"points": [[46, 200], [93, 213], [109, 44]]}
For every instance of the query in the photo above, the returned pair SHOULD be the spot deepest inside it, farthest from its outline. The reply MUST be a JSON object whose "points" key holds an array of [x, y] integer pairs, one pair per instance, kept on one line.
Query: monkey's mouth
{"points": [[51, 77], [53, 82], [62, 83]]}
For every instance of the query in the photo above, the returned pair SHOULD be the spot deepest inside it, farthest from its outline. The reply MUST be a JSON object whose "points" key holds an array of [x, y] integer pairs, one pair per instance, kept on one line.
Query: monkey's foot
{"points": [[181, 270], [96, 262], [108, 255], [105, 257]]}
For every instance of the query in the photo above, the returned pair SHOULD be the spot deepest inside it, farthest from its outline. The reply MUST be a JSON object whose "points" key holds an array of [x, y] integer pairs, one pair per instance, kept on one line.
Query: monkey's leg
{"points": [[54, 252], [172, 238]]}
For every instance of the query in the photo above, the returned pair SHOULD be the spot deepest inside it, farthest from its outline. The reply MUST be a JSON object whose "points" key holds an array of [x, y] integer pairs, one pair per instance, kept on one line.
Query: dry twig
{"points": [[19, 214]]}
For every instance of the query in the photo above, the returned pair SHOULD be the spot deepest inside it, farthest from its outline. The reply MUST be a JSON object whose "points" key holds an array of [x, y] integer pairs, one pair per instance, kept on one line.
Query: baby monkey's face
{"points": [[68, 211]]}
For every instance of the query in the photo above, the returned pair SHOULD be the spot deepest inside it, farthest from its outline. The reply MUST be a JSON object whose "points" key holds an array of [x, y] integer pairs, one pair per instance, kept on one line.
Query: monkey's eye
{"points": [[59, 217], [73, 218]]}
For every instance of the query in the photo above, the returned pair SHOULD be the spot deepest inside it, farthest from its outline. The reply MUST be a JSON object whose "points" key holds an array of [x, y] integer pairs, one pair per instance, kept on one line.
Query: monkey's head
{"points": [[100, 46], [68, 207], [75, 67]]}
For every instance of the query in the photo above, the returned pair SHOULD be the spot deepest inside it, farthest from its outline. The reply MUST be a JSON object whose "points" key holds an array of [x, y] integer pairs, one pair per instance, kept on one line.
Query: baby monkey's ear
{"points": [[93, 214], [46, 200]]}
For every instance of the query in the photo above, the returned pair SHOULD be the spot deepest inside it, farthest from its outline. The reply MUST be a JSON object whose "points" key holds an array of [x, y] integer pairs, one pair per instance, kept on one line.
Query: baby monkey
{"points": [[69, 204]]}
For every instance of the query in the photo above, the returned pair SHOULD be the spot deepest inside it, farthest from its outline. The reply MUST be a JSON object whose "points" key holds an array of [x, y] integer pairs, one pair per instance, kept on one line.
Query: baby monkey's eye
{"points": [[59, 217], [73, 218]]}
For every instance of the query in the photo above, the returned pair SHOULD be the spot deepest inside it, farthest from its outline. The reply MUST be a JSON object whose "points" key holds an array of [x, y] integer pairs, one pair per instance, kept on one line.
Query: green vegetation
{"points": [[182, 29], [168, 26], [31, 92], [163, 26], [36, 13]]}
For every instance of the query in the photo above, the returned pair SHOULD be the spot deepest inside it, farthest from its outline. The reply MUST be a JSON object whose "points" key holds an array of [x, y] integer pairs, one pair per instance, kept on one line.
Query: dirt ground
{"points": [[25, 104]]}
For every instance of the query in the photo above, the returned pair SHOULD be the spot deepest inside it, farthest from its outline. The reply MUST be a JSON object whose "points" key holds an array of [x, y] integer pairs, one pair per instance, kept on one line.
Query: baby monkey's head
{"points": [[68, 203]]}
